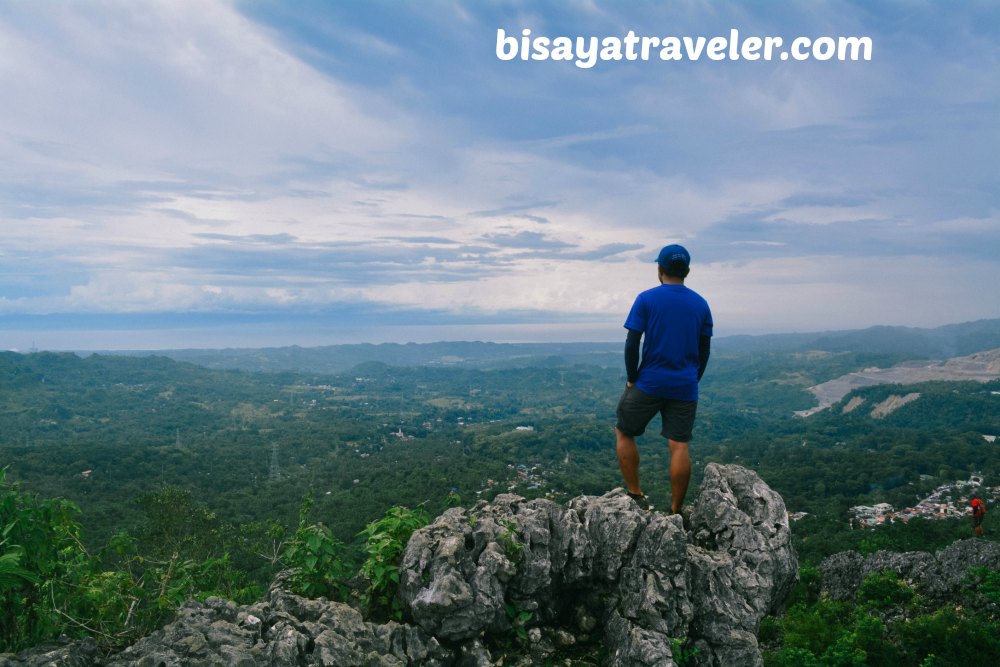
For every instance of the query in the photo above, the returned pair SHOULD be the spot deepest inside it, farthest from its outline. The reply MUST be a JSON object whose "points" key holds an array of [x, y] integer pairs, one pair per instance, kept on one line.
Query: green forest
{"points": [[131, 483]]}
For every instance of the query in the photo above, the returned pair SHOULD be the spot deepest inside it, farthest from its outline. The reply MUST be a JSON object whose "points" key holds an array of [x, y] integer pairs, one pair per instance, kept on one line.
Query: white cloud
{"points": [[170, 91], [818, 293], [184, 156]]}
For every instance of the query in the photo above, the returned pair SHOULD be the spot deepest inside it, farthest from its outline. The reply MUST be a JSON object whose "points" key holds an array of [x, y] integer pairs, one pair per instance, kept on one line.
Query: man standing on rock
{"points": [[677, 326]]}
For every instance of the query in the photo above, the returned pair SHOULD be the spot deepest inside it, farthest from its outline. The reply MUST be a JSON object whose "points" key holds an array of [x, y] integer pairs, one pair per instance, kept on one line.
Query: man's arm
{"points": [[632, 356], [704, 350]]}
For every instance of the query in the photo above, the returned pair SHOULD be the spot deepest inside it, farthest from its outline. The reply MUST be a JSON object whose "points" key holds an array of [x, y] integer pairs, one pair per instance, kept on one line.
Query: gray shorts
{"points": [[636, 409]]}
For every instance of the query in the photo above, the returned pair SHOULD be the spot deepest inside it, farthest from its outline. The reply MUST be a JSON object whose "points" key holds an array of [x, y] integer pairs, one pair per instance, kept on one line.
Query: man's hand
{"points": [[629, 385]]}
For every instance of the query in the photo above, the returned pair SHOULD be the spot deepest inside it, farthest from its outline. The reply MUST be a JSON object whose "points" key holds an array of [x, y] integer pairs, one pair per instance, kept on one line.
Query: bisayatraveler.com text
{"points": [[586, 52]]}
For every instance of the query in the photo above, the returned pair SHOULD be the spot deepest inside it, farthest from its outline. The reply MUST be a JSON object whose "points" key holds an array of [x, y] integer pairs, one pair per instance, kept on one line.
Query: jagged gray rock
{"points": [[283, 631], [536, 575], [742, 563], [652, 583], [81, 653], [937, 575]]}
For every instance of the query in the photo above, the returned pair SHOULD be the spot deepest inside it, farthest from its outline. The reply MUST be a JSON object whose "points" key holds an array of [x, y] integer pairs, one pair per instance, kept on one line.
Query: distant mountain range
{"points": [[904, 342], [342, 358], [952, 340]]}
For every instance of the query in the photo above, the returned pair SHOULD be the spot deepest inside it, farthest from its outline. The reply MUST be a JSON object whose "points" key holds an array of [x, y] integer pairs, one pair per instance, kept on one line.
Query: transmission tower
{"points": [[275, 473]]}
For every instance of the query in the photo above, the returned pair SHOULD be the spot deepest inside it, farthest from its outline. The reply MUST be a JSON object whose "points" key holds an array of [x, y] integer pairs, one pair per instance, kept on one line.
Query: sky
{"points": [[178, 174]]}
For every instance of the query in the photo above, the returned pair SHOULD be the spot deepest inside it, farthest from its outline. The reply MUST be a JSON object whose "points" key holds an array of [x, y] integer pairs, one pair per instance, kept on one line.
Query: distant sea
{"points": [[303, 334]]}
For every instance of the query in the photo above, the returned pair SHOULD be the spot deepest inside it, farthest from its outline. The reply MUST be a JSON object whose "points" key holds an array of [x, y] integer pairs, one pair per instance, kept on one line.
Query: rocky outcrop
{"points": [[652, 584], [528, 581], [285, 630], [938, 576], [65, 653]]}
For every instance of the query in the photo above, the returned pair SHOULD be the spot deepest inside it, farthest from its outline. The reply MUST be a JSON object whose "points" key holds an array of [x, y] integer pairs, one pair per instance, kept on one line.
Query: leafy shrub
{"points": [[315, 557], [385, 541], [808, 587], [952, 637], [684, 652], [816, 627], [51, 585], [985, 581], [840, 634], [39, 544], [792, 657], [513, 548], [884, 590], [518, 618]]}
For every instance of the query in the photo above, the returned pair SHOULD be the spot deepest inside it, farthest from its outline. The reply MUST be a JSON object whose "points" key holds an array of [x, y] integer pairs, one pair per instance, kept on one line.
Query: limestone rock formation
{"points": [[527, 580], [284, 630], [937, 575], [64, 653], [652, 584]]}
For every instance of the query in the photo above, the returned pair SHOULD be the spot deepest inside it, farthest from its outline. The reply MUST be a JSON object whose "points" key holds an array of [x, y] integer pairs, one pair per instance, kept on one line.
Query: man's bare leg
{"points": [[680, 473], [628, 461]]}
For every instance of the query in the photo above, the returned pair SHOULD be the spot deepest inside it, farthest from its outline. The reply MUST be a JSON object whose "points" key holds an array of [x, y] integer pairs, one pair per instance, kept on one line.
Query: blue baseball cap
{"points": [[673, 253]]}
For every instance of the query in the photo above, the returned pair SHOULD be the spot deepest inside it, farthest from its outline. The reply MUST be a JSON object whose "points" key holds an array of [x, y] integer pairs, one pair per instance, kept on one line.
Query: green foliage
{"points": [[792, 657], [513, 548], [985, 581], [115, 596], [844, 653], [887, 625], [385, 540], [174, 523], [11, 574], [884, 590], [315, 557], [872, 543], [125, 593], [110, 605], [518, 619], [807, 589], [40, 544], [828, 634], [954, 637], [869, 638], [150, 423], [819, 536], [815, 627], [684, 653]]}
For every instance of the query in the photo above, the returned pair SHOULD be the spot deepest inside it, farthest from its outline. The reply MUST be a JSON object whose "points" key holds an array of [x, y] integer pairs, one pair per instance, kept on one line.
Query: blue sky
{"points": [[211, 174]]}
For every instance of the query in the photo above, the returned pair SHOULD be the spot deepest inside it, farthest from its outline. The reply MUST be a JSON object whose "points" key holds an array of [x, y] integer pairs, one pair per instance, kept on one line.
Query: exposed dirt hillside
{"points": [[979, 367]]}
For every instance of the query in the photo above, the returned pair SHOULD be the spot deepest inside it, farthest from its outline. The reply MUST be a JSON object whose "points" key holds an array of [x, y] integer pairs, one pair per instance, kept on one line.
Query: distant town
{"points": [[948, 501]]}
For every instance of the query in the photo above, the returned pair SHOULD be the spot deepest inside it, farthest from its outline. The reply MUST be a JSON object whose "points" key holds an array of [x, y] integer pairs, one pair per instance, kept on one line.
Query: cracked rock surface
{"points": [[938, 575], [650, 582]]}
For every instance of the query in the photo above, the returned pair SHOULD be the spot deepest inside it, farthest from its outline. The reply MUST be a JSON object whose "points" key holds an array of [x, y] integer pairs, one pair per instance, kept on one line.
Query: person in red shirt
{"points": [[978, 512]]}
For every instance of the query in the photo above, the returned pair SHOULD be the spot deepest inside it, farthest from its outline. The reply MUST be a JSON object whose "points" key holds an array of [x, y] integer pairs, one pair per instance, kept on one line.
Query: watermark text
{"points": [[586, 52]]}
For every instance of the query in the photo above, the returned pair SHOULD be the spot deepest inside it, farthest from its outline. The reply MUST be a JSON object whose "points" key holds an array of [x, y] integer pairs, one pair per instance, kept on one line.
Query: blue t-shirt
{"points": [[672, 319]]}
